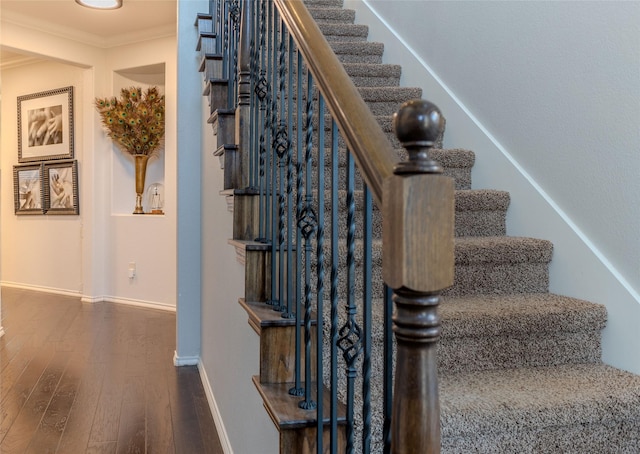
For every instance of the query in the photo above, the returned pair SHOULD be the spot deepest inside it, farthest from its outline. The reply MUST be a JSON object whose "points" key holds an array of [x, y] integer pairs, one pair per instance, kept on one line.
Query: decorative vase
{"points": [[141, 172]]}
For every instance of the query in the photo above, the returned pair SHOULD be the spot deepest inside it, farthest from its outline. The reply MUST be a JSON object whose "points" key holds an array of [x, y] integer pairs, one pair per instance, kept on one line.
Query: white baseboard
{"points": [[92, 299], [215, 412], [139, 303], [185, 360], [40, 288]]}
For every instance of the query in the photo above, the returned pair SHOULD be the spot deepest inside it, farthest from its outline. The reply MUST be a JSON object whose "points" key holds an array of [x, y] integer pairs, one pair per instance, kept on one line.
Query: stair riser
{"points": [[344, 32], [366, 52], [207, 45], [500, 279], [333, 16], [480, 223], [465, 354]]}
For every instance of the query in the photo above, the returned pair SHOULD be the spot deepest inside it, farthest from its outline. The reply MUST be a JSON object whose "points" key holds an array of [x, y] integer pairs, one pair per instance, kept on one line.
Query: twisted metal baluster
{"points": [[235, 16], [273, 125], [282, 147], [290, 313], [308, 222], [226, 72], [366, 323], [335, 257], [262, 90], [253, 130], [218, 25], [350, 341], [297, 389], [321, 273]]}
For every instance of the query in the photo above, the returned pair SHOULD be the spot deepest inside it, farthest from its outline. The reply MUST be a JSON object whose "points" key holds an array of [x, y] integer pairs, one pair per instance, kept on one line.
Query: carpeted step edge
{"points": [[512, 400]]}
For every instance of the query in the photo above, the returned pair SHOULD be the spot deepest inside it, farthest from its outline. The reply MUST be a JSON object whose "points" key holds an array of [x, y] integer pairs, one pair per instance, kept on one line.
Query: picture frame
{"points": [[61, 187], [28, 189], [45, 125]]}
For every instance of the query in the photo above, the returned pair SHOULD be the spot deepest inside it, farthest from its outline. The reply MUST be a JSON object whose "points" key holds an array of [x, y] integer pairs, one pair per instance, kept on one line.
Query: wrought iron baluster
{"points": [[366, 323], [333, 382], [290, 312], [387, 403], [235, 19], [273, 130], [282, 148], [253, 105], [321, 273], [297, 389], [350, 341], [218, 26], [308, 225], [226, 71], [262, 91]]}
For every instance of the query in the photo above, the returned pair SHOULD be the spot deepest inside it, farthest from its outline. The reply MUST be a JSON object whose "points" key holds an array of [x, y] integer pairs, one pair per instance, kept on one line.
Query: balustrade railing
{"points": [[313, 154]]}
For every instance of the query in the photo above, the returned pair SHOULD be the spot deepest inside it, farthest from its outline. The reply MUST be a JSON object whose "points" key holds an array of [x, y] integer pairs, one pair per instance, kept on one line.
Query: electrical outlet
{"points": [[132, 270]]}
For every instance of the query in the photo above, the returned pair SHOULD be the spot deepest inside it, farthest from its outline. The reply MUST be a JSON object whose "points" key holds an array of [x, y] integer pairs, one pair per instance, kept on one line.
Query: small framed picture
{"points": [[61, 187], [27, 188], [45, 125]]}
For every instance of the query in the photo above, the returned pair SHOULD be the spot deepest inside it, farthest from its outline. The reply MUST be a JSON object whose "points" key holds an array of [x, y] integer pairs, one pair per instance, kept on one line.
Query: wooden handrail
{"points": [[367, 142]]}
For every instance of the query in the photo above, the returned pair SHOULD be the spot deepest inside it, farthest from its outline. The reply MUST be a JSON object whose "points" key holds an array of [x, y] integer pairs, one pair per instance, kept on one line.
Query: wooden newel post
{"points": [[418, 223]]}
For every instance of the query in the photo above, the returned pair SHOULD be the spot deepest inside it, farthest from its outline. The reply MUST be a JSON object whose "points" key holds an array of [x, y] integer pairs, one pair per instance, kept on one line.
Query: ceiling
{"points": [[137, 20]]}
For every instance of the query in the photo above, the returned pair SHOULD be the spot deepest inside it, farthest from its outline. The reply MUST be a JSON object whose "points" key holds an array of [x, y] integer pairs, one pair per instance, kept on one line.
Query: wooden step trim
{"points": [[277, 342], [283, 408]]}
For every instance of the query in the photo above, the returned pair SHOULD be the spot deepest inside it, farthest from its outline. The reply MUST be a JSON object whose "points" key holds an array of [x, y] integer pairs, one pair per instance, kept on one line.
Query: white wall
{"points": [[92, 258], [212, 327], [149, 241], [547, 95], [39, 251], [230, 348]]}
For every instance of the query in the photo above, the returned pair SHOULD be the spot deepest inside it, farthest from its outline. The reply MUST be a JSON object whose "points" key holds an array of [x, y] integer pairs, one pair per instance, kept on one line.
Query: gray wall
{"points": [[548, 96]]}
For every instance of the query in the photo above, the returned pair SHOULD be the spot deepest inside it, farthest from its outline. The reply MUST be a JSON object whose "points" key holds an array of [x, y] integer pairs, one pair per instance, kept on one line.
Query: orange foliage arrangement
{"points": [[135, 120]]}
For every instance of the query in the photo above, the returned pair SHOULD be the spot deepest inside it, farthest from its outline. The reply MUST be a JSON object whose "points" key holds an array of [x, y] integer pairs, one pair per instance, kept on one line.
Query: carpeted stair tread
{"points": [[494, 315], [501, 249], [513, 401], [358, 52], [481, 212], [332, 15], [389, 94], [344, 32], [481, 199], [323, 3], [492, 332], [373, 75], [372, 70], [497, 315]]}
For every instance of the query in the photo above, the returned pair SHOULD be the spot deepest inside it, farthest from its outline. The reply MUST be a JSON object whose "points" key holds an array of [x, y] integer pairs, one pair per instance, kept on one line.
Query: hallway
{"points": [[96, 378]]}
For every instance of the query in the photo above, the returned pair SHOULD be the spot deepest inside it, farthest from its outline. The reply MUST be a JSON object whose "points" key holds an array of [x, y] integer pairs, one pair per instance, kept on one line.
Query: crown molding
{"points": [[119, 39]]}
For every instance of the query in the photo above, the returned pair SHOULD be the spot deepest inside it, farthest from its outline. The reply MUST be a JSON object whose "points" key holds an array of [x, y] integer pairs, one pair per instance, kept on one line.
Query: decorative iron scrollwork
{"points": [[262, 88], [308, 222], [234, 11], [281, 142], [350, 341]]}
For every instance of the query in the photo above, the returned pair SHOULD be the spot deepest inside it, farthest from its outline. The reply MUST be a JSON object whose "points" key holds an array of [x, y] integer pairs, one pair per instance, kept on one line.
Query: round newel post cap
{"points": [[417, 125]]}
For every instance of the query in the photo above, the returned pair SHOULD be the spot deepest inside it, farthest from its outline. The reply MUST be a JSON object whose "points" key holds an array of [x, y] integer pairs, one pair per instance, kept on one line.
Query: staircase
{"points": [[519, 368]]}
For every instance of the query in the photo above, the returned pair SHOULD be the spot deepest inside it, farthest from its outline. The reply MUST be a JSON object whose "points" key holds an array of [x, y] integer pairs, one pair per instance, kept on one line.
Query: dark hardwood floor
{"points": [[96, 378]]}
